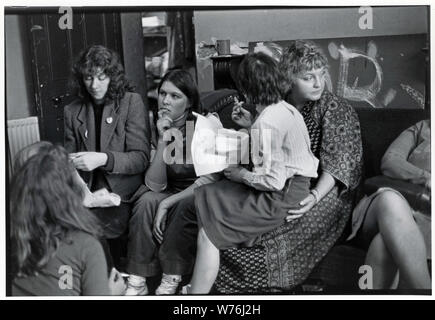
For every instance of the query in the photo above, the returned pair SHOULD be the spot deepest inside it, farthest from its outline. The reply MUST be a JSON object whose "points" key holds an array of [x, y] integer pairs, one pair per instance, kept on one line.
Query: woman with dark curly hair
{"points": [[107, 133], [55, 250]]}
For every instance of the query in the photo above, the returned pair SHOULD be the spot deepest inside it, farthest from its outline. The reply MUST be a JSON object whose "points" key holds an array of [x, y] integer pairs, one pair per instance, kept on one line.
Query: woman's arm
{"points": [[155, 177], [340, 151], [160, 219], [395, 162], [325, 184], [269, 173], [166, 204]]}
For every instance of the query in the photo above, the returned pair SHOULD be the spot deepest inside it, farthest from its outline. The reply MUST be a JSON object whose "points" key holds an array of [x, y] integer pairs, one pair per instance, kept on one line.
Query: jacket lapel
{"points": [[87, 126], [108, 125]]}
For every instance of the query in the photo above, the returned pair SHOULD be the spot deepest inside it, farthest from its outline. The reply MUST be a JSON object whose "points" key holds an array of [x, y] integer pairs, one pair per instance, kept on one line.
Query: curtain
{"points": [[181, 39]]}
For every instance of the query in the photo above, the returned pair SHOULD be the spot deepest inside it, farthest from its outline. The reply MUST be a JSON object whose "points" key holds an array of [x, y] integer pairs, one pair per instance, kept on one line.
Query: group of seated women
{"points": [[299, 188]]}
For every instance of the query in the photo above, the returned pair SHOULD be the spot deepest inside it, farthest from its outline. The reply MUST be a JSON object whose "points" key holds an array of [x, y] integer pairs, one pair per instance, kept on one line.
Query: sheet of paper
{"points": [[99, 199], [213, 147]]}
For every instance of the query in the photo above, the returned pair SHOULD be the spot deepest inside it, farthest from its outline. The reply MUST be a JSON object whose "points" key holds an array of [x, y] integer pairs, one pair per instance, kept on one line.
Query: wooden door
{"points": [[53, 50]]}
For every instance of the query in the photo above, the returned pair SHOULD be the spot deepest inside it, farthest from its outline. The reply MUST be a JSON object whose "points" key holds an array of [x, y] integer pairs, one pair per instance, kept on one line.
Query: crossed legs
{"points": [[396, 244]]}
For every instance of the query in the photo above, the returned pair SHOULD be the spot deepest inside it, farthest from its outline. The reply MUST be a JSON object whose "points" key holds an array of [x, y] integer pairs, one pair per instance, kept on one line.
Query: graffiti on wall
{"points": [[367, 93]]}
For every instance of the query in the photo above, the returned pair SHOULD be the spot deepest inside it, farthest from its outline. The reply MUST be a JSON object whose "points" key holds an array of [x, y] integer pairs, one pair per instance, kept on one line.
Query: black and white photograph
{"points": [[217, 151]]}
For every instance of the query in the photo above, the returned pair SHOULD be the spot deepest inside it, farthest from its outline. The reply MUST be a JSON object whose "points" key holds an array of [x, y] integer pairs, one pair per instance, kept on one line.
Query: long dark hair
{"points": [[260, 80], [185, 83], [45, 206], [26, 153], [99, 57]]}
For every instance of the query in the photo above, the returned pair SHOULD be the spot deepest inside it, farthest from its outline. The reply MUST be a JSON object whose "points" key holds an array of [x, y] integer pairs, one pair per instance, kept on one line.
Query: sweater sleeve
{"points": [[341, 152], [395, 162]]}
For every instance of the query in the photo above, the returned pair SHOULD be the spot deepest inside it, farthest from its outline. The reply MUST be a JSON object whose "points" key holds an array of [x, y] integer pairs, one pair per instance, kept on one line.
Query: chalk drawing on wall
{"points": [[415, 94], [354, 92], [389, 97]]}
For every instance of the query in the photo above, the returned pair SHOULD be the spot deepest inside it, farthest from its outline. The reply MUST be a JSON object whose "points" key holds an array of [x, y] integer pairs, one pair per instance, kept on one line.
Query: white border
{"points": [[228, 3]]}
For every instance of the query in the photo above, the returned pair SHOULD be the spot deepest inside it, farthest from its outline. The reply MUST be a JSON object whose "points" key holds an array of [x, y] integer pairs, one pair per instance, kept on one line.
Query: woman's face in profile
{"points": [[172, 101], [309, 85], [97, 84]]}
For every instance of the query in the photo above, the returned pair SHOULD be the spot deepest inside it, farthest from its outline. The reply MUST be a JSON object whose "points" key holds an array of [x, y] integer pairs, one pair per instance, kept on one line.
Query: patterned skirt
{"points": [[285, 257]]}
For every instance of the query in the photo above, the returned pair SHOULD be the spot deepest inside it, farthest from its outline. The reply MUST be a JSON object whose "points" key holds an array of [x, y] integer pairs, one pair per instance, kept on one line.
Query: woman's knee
{"points": [[203, 239], [145, 208], [390, 206]]}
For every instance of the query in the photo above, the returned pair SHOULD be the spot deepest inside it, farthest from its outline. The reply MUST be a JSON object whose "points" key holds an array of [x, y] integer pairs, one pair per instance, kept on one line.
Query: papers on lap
{"points": [[102, 199], [215, 148], [99, 199]]}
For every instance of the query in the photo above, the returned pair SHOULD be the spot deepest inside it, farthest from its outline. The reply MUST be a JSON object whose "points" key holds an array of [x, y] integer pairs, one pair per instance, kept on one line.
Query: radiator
{"points": [[21, 133]]}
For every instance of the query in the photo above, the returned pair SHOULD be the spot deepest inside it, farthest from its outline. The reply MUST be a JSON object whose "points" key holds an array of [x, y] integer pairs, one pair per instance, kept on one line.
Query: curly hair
{"points": [[99, 58], [259, 79], [301, 56], [45, 206]]}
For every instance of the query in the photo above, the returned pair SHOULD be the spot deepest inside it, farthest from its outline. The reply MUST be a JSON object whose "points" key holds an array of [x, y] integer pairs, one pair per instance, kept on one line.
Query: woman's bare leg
{"points": [[206, 265], [382, 263], [391, 217]]}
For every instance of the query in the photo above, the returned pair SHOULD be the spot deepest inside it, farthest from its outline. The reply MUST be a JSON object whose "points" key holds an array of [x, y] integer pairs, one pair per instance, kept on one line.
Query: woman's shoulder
{"points": [[331, 100], [422, 125], [82, 240], [74, 106], [330, 103], [275, 113], [132, 97], [131, 94], [132, 103]]}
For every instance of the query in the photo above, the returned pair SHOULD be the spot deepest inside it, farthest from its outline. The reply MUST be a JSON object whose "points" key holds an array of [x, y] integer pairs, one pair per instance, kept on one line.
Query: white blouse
{"points": [[280, 148]]}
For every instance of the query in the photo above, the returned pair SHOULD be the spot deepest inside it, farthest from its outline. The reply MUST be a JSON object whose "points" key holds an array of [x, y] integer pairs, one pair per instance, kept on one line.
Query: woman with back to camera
{"points": [[107, 134], [55, 250], [235, 211]]}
